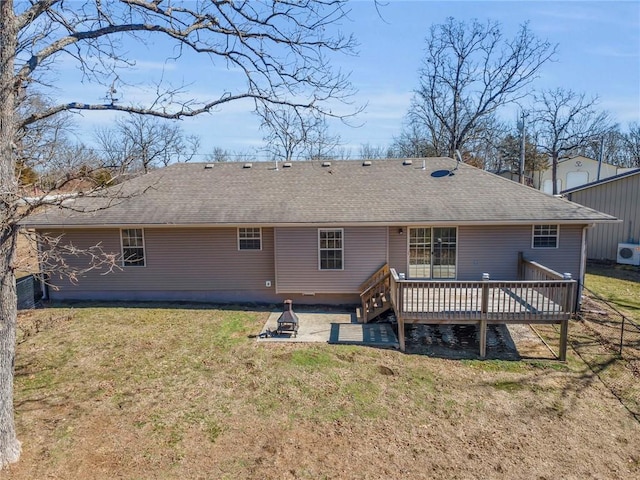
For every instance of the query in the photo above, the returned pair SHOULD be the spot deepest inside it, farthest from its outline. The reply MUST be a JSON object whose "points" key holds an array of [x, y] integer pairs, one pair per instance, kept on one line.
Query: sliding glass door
{"points": [[432, 252]]}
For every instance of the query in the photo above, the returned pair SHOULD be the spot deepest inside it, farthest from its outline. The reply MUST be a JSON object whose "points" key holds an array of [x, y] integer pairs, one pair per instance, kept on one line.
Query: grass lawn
{"points": [[597, 338], [619, 285], [179, 391]]}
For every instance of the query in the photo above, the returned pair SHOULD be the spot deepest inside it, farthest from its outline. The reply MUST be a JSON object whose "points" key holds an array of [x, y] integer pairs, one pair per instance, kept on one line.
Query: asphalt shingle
{"points": [[347, 192]]}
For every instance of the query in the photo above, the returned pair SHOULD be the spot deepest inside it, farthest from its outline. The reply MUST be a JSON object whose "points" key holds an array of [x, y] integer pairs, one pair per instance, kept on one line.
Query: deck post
{"points": [[484, 309], [564, 334], [483, 338], [401, 333], [521, 266], [569, 308]]}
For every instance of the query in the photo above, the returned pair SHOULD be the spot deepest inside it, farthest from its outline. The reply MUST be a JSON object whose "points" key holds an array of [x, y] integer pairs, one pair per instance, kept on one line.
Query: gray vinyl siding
{"points": [[204, 264], [620, 198], [494, 250], [398, 257], [185, 259], [365, 250]]}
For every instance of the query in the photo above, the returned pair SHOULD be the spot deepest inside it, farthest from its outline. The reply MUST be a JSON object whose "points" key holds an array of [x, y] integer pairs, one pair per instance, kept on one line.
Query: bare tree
{"points": [[321, 144], [372, 151], [468, 72], [481, 148], [632, 145], [141, 142], [286, 131], [413, 142], [608, 146], [38, 143], [291, 135], [219, 154], [48, 155], [566, 122], [69, 163], [281, 48]]}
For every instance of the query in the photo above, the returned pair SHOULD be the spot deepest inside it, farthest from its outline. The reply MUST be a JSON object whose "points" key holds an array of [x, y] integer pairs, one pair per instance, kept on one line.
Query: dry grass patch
{"points": [[175, 391]]}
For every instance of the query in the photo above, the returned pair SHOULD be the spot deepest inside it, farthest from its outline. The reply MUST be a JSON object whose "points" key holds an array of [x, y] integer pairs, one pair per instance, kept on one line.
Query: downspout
{"points": [[583, 266], [275, 260], [44, 280]]}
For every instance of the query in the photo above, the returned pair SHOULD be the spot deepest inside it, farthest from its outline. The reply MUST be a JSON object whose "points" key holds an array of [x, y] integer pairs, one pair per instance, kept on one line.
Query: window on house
{"points": [[330, 249], [545, 236], [132, 247], [249, 238]]}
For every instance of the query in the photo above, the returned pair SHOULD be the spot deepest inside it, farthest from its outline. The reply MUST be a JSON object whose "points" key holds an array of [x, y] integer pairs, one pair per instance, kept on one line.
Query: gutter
{"points": [[439, 223]]}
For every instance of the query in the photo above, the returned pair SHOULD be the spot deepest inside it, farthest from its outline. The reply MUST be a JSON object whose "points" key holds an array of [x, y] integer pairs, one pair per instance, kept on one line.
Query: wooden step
{"points": [[373, 313]]}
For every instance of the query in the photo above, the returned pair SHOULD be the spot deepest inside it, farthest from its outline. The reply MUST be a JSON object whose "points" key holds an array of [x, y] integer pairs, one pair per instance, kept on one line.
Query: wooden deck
{"points": [[496, 302], [542, 296]]}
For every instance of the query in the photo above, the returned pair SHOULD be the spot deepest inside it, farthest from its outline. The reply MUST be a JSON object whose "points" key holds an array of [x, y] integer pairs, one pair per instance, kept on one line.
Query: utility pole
{"points": [[523, 136], [600, 156]]}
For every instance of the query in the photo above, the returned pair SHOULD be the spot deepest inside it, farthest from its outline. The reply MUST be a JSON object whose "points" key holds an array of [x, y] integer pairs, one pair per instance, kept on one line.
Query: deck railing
{"points": [[483, 302], [373, 293], [524, 301], [529, 270]]}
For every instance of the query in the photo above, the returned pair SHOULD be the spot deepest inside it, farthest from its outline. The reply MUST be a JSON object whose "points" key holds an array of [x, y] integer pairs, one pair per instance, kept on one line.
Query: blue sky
{"points": [[598, 54]]}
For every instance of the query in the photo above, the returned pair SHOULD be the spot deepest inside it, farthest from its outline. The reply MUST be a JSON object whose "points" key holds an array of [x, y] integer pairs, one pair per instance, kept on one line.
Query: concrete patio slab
{"points": [[371, 334], [332, 327]]}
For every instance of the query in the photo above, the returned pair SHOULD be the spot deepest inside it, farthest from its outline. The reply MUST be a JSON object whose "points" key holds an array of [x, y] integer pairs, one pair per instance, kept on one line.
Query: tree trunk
{"points": [[554, 173], [9, 444]]}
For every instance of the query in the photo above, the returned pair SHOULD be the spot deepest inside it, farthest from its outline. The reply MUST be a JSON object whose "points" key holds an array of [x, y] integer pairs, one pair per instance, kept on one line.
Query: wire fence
{"points": [[614, 327]]}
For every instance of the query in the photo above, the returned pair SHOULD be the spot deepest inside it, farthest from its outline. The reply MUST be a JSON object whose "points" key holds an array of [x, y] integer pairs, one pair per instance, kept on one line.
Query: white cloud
{"points": [[611, 52]]}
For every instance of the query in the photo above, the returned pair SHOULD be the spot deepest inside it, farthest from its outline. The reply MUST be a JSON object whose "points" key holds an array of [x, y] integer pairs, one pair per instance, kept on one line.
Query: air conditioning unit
{"points": [[629, 253]]}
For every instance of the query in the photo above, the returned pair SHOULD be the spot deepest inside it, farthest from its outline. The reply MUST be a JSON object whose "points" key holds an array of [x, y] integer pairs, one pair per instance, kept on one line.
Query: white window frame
{"points": [[535, 235], [321, 249], [240, 238], [432, 247], [142, 247]]}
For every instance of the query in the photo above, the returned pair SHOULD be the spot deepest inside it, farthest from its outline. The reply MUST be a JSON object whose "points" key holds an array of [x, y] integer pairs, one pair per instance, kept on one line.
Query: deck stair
{"points": [[374, 295]]}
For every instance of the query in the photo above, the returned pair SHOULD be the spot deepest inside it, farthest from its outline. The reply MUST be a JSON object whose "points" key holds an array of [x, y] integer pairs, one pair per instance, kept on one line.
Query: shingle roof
{"points": [[347, 192]]}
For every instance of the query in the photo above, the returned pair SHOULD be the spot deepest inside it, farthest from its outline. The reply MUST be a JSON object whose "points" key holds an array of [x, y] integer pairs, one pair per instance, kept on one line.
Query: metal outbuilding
{"points": [[618, 196]]}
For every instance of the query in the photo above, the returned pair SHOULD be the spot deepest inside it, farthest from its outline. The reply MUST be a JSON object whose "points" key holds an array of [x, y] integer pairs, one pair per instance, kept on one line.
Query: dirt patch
{"points": [[504, 342]]}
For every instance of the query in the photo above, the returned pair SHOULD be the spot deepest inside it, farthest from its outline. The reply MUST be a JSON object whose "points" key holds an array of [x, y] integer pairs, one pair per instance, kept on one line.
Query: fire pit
{"points": [[288, 321]]}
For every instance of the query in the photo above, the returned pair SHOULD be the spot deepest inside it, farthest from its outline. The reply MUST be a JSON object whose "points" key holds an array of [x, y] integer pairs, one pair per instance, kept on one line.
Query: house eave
{"points": [[436, 223]]}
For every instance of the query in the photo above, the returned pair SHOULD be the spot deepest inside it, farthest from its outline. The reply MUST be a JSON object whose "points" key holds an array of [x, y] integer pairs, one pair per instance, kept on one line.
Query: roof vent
{"points": [[407, 162], [247, 165], [208, 166], [366, 163], [326, 164], [286, 165]]}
